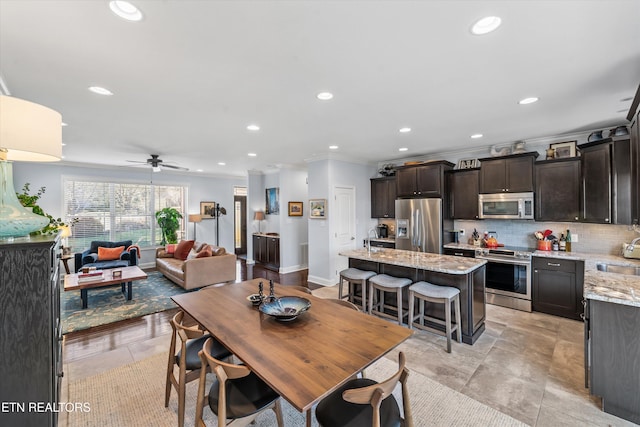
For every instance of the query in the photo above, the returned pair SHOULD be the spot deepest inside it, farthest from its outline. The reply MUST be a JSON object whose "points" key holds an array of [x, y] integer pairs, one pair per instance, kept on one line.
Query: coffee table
{"points": [[129, 274]]}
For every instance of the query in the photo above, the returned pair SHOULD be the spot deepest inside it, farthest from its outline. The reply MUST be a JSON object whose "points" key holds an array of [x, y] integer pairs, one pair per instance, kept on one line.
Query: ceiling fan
{"points": [[157, 163]]}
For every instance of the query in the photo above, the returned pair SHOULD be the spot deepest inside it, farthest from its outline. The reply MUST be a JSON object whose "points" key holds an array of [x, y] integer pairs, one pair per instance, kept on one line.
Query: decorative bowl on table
{"points": [[286, 308], [255, 299]]}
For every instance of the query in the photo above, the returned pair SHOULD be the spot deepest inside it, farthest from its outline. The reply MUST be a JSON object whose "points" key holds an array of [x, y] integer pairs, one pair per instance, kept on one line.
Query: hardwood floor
{"points": [[91, 342]]}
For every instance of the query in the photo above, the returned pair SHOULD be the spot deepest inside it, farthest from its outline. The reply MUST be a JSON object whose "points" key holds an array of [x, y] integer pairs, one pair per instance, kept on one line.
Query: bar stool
{"points": [[355, 276], [385, 283], [426, 292]]}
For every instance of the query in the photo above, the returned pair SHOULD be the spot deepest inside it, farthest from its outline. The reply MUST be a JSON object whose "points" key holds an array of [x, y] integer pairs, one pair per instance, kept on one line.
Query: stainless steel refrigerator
{"points": [[420, 225]]}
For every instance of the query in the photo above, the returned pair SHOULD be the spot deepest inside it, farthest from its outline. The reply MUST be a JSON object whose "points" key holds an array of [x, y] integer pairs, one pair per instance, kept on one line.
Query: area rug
{"points": [[108, 304], [133, 396]]}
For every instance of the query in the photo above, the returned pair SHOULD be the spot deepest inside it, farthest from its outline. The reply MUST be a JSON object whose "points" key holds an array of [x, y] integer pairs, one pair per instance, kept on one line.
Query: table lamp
{"points": [[65, 233], [194, 218], [258, 216], [28, 132]]}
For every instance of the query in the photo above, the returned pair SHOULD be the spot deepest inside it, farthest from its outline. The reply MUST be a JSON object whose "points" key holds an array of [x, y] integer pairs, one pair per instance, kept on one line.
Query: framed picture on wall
{"points": [[273, 201], [318, 208], [295, 208], [564, 149], [207, 210]]}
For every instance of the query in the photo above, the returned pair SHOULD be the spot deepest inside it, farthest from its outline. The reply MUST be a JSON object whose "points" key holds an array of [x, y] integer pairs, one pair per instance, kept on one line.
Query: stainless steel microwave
{"points": [[506, 206]]}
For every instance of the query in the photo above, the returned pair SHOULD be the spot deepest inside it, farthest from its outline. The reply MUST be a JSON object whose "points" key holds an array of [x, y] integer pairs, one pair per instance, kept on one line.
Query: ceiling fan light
{"points": [[125, 10], [156, 168]]}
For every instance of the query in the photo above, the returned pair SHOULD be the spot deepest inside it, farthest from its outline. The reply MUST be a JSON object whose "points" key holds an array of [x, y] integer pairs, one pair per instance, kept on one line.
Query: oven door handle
{"points": [[514, 261]]}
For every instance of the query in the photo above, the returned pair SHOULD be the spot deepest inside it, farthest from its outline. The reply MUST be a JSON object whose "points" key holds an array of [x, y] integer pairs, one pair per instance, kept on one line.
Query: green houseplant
{"points": [[169, 222], [31, 201]]}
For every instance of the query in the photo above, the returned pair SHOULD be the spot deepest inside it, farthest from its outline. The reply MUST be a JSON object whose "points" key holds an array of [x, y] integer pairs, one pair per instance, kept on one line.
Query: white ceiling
{"points": [[191, 76]]}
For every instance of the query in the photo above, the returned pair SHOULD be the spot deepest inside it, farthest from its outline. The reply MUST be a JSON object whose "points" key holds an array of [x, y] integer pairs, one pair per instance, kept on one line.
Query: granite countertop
{"points": [[276, 235], [598, 285], [425, 261]]}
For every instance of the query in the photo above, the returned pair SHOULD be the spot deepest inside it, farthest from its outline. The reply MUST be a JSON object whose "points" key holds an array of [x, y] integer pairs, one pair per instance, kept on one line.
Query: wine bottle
{"points": [[568, 241], [562, 243]]}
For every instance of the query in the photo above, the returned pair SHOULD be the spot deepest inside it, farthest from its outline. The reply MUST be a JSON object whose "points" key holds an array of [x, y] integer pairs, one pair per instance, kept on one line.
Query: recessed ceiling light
{"points": [[64, 124], [63, 144], [253, 127], [62, 157], [125, 10], [403, 149], [528, 100], [324, 96], [404, 130], [486, 25], [251, 154], [477, 135], [222, 163], [333, 147], [199, 170], [100, 90]]}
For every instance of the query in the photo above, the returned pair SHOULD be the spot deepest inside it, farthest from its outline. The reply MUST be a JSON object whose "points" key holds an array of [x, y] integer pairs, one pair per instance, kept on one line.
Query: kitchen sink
{"points": [[620, 269]]}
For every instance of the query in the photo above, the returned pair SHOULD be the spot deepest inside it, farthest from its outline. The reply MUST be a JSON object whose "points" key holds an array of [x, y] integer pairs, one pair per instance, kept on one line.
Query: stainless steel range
{"points": [[508, 276]]}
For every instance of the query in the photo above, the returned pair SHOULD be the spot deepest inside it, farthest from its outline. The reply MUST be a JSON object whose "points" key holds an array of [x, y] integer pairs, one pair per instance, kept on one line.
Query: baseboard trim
{"points": [[292, 268], [320, 281]]}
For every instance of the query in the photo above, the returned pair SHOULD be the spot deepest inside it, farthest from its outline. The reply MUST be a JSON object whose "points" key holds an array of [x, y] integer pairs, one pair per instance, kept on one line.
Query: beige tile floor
{"points": [[526, 365]]}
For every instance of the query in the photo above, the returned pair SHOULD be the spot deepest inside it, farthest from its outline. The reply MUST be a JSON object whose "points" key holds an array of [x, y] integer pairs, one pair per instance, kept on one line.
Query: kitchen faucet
{"points": [[632, 245], [375, 233]]}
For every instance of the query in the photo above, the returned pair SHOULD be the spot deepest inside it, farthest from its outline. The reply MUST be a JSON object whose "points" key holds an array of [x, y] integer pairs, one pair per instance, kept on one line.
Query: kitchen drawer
{"points": [[554, 264]]}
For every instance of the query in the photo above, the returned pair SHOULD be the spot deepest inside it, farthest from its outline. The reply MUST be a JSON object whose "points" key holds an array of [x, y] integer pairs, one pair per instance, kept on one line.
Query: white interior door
{"points": [[344, 226]]}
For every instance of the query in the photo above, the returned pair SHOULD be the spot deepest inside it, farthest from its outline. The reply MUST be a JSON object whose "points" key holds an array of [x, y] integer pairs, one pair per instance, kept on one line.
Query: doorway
{"points": [[344, 225], [240, 221]]}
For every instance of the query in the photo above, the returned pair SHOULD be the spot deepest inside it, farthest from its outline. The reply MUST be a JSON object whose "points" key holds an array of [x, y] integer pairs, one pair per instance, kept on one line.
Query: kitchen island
{"points": [[466, 274]]}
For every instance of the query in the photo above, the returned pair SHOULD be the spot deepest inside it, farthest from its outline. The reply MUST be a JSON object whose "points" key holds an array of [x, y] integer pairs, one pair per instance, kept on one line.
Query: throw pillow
{"points": [[192, 254], [217, 250], [170, 248], [183, 248], [109, 254], [206, 252]]}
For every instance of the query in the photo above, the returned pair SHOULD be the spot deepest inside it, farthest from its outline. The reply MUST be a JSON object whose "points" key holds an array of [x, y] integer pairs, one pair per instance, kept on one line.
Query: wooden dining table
{"points": [[303, 360]]}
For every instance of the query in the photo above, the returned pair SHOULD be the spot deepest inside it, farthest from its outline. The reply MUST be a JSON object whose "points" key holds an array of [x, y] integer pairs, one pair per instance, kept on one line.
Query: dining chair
{"points": [[237, 395], [365, 402], [192, 338]]}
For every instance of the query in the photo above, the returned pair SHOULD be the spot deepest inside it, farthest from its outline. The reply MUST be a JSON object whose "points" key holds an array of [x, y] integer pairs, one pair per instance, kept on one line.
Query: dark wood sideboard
{"points": [[30, 331]]}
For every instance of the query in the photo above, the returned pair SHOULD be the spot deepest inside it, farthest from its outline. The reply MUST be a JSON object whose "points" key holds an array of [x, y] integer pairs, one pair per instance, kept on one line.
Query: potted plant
{"points": [[31, 201], [169, 222]]}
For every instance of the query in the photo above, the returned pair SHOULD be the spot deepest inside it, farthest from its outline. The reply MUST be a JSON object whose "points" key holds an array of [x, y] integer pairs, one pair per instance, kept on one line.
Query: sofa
{"points": [[196, 271], [126, 257]]}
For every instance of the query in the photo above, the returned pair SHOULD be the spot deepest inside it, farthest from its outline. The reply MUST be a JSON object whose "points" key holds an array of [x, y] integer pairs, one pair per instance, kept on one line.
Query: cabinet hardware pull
{"points": [[582, 316], [458, 254], [550, 264]]}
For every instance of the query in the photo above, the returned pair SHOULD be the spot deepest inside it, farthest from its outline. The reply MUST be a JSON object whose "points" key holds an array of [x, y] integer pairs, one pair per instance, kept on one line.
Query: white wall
{"points": [[200, 188], [324, 176], [293, 229]]}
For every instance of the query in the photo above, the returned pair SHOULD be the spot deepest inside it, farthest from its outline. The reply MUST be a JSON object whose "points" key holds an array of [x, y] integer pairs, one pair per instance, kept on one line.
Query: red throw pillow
{"points": [[109, 254], [183, 248], [206, 252], [170, 248]]}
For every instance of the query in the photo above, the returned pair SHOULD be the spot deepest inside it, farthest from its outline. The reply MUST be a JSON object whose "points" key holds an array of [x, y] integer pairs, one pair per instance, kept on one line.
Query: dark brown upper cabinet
{"points": [[558, 190], [425, 180], [512, 173], [463, 193], [383, 197], [606, 181]]}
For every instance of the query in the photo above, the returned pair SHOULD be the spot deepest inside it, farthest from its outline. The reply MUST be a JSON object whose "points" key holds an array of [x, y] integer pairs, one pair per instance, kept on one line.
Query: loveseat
{"points": [[125, 256], [204, 265]]}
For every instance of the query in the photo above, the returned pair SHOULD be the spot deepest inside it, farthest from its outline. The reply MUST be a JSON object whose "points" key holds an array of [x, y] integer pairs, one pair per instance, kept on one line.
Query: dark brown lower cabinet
{"points": [[266, 250], [30, 335], [557, 287], [614, 344]]}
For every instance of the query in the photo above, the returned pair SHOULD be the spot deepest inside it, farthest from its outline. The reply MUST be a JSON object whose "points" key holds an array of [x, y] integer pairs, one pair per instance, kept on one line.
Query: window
{"points": [[118, 211]]}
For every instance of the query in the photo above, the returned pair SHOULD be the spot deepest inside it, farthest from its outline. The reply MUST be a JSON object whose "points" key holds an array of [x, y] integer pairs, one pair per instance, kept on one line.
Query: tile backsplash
{"points": [[592, 238]]}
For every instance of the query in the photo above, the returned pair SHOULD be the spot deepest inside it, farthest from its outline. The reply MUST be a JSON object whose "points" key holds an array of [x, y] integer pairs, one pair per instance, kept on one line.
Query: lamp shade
{"points": [[258, 216], [66, 231], [195, 218], [28, 131]]}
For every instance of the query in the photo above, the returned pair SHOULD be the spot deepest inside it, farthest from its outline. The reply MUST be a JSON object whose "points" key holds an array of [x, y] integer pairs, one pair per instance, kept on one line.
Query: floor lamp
{"points": [[258, 216], [195, 219], [218, 211]]}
